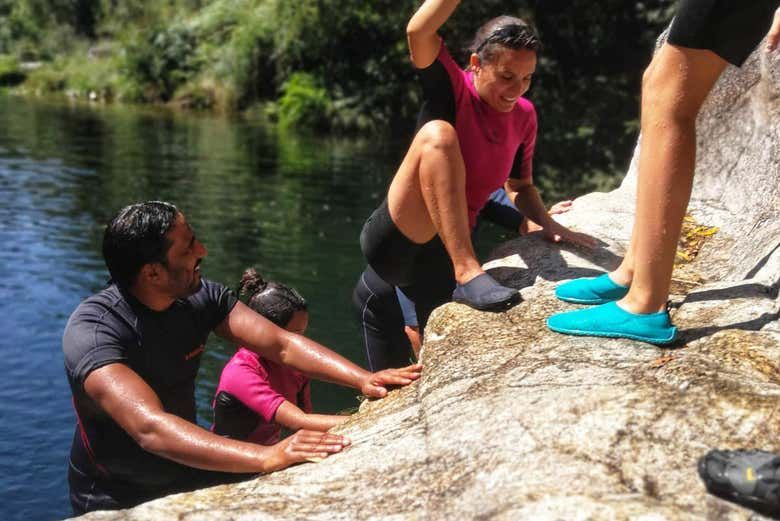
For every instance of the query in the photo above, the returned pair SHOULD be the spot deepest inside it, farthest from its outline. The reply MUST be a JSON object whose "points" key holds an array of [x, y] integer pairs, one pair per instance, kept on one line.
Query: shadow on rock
{"points": [[550, 261]]}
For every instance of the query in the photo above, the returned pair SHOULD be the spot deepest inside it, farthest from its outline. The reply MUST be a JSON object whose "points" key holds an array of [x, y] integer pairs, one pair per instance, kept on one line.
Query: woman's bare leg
{"points": [[428, 196]]}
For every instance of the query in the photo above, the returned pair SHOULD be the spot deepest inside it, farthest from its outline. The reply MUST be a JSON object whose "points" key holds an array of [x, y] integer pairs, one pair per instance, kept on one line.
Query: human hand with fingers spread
{"points": [[375, 385], [304, 445], [561, 207]]}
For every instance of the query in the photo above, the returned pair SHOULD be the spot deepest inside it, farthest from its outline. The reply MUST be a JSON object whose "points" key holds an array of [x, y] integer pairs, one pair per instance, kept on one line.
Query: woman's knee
{"points": [[438, 135]]}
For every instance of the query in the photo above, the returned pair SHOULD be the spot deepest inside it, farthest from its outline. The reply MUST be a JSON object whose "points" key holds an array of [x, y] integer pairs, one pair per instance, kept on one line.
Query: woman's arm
{"points": [[292, 417], [525, 196], [421, 30]]}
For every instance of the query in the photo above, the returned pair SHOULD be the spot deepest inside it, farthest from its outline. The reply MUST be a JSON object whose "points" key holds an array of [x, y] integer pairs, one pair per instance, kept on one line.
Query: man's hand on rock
{"points": [[305, 445], [375, 384]]}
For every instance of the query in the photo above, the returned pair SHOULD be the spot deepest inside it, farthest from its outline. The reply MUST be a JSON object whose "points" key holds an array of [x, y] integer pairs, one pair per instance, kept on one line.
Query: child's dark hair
{"points": [[503, 31], [274, 301]]}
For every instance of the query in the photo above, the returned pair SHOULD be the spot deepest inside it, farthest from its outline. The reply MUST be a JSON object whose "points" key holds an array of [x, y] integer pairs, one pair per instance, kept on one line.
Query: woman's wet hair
{"points": [[274, 301], [136, 236], [503, 32]]}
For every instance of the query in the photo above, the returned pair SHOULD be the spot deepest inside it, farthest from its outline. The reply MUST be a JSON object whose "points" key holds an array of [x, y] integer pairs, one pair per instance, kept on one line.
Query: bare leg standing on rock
{"points": [[674, 87]]}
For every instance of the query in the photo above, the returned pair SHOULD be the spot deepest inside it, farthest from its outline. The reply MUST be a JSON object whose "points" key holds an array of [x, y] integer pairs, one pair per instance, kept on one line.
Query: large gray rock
{"points": [[511, 421]]}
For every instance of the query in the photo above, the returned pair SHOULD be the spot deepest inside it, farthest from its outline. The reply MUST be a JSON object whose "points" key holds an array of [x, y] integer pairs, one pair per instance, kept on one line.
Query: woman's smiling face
{"points": [[506, 77]]}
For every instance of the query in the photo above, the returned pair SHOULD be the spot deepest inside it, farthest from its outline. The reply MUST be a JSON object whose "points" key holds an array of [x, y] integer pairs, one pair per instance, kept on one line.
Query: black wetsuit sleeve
{"points": [[438, 95], [93, 338], [517, 166], [214, 303]]}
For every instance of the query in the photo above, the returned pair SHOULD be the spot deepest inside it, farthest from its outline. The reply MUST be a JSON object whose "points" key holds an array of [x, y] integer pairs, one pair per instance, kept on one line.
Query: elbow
{"points": [[412, 31], [285, 353], [148, 436]]}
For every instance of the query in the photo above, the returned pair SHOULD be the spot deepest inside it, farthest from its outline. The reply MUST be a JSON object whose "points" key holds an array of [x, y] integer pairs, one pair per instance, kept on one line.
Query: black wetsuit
{"points": [[108, 469], [729, 28]]}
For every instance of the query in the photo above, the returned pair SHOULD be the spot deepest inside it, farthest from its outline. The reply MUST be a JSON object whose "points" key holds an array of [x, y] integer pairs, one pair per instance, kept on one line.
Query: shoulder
{"points": [[106, 311], [244, 360], [444, 60], [209, 292], [212, 302], [98, 332]]}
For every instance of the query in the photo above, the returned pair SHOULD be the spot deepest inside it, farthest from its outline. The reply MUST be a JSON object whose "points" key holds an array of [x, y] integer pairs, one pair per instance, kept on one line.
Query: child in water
{"points": [[256, 397]]}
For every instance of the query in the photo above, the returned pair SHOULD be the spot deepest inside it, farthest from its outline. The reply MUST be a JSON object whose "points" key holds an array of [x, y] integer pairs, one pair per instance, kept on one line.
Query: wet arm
{"points": [[129, 401], [245, 327], [294, 418]]}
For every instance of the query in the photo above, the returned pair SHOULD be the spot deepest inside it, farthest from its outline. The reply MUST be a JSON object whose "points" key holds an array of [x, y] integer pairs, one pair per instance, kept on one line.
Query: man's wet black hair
{"points": [[273, 300], [503, 31], [136, 236]]}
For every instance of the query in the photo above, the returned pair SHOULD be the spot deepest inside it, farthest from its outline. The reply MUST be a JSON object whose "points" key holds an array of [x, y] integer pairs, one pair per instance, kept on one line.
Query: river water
{"points": [[289, 205]]}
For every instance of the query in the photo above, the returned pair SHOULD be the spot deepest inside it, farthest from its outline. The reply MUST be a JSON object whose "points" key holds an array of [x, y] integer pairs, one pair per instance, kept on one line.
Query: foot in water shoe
{"points": [[612, 321], [748, 477], [591, 290], [484, 293]]}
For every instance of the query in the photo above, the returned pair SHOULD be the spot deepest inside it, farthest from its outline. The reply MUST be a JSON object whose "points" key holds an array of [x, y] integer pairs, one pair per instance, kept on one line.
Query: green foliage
{"points": [[159, 60], [304, 103], [244, 57], [93, 78], [10, 73], [45, 81]]}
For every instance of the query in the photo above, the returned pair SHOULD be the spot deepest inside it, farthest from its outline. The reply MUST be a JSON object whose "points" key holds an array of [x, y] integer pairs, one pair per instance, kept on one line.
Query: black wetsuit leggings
{"points": [[422, 271]]}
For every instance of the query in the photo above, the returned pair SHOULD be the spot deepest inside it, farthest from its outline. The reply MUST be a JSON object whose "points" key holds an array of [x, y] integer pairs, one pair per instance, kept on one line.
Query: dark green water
{"points": [[291, 206]]}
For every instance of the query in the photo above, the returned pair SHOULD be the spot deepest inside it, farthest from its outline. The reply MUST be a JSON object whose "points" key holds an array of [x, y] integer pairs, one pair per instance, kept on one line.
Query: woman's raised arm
{"points": [[422, 27]]}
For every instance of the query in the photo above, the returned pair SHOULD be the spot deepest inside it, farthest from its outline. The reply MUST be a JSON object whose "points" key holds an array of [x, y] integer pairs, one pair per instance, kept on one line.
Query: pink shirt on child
{"points": [[262, 385], [489, 139]]}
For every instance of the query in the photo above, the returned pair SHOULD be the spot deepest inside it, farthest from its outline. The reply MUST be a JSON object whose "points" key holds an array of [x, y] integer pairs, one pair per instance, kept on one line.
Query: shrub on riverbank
{"points": [[10, 72]]}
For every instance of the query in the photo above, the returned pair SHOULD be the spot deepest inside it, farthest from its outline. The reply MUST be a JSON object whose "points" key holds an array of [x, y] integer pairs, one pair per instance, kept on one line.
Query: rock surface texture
{"points": [[513, 422]]}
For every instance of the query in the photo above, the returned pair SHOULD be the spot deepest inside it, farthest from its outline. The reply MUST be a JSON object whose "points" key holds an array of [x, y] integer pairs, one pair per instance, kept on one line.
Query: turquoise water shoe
{"points": [[591, 290], [748, 477], [612, 321]]}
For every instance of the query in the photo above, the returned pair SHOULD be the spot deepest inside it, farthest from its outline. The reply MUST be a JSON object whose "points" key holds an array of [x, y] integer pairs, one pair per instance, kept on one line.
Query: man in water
{"points": [[132, 353]]}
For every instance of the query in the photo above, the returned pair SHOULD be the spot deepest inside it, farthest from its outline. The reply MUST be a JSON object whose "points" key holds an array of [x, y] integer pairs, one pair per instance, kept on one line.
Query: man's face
{"points": [[182, 273]]}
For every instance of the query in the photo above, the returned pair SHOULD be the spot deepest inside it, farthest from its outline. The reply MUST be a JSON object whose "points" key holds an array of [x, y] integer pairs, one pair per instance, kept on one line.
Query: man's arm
{"points": [[244, 326], [524, 194], [130, 402]]}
